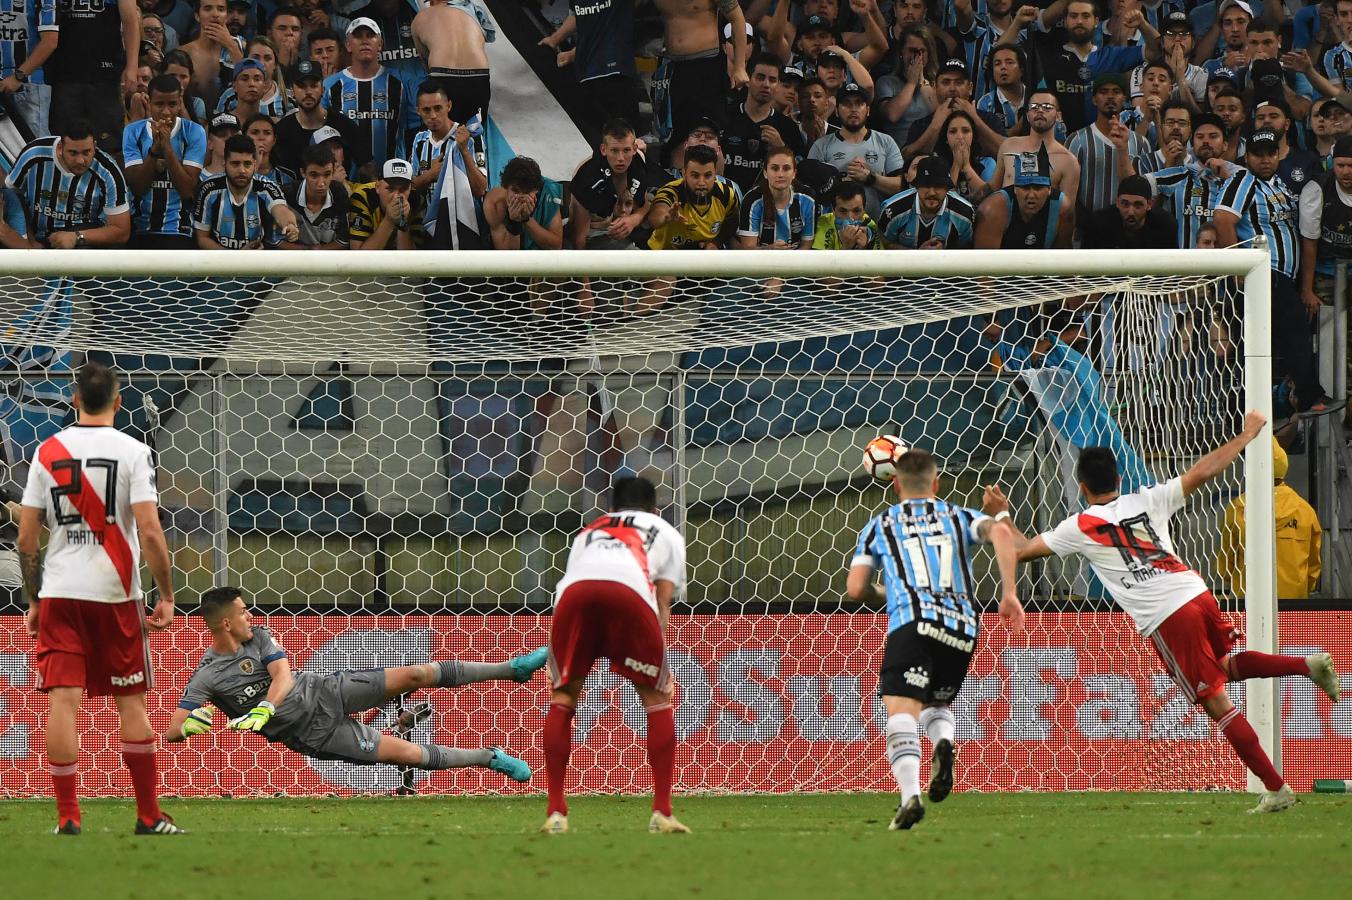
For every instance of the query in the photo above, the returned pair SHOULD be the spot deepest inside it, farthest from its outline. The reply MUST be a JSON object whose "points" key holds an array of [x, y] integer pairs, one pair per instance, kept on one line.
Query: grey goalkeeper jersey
{"points": [[237, 682]]}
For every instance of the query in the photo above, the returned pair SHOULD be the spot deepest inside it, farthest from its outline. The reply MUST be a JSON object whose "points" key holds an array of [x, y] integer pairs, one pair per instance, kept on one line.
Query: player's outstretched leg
{"points": [[459, 672], [63, 751], [1318, 667], [435, 757], [1235, 728], [938, 724]]}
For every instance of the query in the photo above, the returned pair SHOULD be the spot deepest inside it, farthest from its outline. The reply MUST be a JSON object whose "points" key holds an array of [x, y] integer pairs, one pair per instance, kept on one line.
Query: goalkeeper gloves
{"points": [[255, 719], [198, 721]]}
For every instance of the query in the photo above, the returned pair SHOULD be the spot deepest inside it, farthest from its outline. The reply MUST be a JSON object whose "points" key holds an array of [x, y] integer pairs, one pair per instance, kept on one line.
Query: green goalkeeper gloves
{"points": [[198, 721], [255, 719]]}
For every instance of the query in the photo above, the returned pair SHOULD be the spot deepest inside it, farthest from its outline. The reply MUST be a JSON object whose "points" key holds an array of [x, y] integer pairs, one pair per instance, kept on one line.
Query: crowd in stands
{"points": [[900, 124]]}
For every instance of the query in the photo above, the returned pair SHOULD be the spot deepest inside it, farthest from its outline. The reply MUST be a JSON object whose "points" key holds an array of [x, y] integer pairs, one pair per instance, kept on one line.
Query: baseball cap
{"points": [[816, 23], [727, 31], [1223, 73], [245, 65], [706, 124], [1342, 146], [1176, 22], [1266, 78], [1107, 78], [1230, 4], [792, 72], [1029, 170], [1263, 139], [830, 58], [247, 4], [362, 22], [1275, 103], [932, 172], [1329, 107], [1135, 186], [396, 169], [326, 133], [223, 121], [853, 90], [954, 65], [305, 70]]}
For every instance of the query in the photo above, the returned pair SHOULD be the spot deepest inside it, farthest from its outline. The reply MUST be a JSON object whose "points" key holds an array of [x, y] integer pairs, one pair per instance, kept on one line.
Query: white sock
{"points": [[938, 724], [903, 753]]}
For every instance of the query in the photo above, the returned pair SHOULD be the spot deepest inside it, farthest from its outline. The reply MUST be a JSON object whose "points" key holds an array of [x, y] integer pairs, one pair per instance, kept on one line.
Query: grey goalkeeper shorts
{"points": [[333, 733]]}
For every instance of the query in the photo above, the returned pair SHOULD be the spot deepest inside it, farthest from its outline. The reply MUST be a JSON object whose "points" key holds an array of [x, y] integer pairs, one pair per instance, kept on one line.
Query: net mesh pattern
{"points": [[393, 468]]}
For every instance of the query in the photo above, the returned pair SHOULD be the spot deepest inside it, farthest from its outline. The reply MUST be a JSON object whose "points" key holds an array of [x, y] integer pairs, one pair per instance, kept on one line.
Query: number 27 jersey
{"points": [[1128, 546], [86, 478]]}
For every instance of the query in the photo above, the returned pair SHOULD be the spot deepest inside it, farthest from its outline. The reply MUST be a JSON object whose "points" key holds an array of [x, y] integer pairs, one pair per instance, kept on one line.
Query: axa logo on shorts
{"points": [[642, 668], [127, 680], [916, 677]]}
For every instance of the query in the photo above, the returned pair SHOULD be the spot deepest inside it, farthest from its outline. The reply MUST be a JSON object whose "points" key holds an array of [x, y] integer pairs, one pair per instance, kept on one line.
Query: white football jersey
{"points": [[1128, 546], [86, 478], [632, 547]]}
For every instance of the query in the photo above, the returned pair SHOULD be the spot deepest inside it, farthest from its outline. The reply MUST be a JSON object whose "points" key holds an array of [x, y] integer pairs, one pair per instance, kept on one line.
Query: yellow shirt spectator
{"points": [[1299, 535]]}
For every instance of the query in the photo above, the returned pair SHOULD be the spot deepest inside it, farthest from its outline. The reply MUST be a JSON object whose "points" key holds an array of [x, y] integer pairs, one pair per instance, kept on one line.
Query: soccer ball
{"points": [[880, 456]]}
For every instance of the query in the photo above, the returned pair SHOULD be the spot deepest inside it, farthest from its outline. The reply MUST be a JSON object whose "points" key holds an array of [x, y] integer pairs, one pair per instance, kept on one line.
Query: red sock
{"points": [[558, 741], [1244, 739], [139, 758], [64, 777], [1251, 664], [661, 754]]}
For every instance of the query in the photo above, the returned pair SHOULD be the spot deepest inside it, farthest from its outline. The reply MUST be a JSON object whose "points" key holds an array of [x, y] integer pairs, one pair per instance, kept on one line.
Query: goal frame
{"points": [[1250, 264]]}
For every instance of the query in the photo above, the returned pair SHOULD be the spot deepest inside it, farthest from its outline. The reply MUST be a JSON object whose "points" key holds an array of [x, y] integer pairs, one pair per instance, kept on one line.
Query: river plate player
{"points": [[923, 546], [247, 676]]}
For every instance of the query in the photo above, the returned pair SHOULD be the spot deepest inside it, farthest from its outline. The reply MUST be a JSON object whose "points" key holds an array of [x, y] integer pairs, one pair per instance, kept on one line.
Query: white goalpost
{"points": [[389, 451]]}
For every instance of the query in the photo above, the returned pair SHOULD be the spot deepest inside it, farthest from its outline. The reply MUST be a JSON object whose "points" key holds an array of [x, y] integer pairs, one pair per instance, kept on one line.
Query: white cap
{"points": [[1226, 4], [362, 22], [727, 31], [397, 168], [327, 133]]}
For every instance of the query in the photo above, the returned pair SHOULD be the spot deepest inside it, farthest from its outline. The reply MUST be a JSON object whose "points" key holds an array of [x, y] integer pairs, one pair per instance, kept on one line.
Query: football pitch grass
{"points": [[809, 846]]}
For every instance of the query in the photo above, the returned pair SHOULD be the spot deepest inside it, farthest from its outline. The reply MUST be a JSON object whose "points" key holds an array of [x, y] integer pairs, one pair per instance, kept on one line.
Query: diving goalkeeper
{"points": [[246, 675]]}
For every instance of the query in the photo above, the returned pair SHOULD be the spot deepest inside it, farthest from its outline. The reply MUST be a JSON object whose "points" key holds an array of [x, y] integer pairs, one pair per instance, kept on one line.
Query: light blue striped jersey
{"points": [[21, 23], [160, 209], [1191, 192], [1337, 66], [903, 225], [923, 548], [273, 107], [997, 104], [56, 200], [238, 223], [794, 223], [1268, 208]]}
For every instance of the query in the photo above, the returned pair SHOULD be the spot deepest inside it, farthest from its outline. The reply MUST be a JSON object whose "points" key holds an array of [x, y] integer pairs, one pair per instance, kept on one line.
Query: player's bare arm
{"points": [[1004, 541], [1218, 460], [30, 562], [155, 552], [663, 590], [859, 585]]}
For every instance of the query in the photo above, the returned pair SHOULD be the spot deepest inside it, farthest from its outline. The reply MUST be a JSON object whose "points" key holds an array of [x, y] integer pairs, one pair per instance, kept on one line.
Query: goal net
{"points": [[391, 461]]}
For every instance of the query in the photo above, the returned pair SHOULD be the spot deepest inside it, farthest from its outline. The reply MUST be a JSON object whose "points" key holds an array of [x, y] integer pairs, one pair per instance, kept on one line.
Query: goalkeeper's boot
{"points": [[941, 772], [557, 823], [526, 665], [908, 814], [664, 824], [70, 826], [1276, 801], [513, 768], [1323, 674], [163, 825]]}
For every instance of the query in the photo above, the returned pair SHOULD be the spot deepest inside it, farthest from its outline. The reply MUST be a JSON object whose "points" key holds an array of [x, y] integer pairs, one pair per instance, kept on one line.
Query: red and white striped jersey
{"points": [[1128, 546], [632, 547], [86, 479]]}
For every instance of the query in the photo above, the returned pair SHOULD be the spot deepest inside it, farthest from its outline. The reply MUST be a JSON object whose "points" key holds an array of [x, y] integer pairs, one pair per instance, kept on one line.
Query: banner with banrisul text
{"points": [[766, 703]]}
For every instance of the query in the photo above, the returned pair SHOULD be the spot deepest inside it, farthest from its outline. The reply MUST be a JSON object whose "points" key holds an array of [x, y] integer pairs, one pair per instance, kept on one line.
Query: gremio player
{"points": [[922, 545], [246, 675], [614, 601], [1126, 540]]}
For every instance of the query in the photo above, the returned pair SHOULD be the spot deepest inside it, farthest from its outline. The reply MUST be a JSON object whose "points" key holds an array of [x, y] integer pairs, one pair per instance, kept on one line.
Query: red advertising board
{"points": [[766, 704]]}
